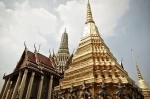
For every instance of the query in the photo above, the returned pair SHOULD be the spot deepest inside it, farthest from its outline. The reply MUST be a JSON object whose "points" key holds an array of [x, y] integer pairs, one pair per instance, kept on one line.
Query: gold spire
{"points": [[138, 71], [89, 17], [142, 83]]}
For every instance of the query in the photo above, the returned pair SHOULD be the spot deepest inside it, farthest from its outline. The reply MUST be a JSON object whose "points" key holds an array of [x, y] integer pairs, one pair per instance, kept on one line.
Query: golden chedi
{"points": [[94, 72]]}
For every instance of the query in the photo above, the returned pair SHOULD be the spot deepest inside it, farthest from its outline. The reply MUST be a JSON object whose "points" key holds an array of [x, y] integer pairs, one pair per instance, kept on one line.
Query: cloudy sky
{"points": [[123, 24]]}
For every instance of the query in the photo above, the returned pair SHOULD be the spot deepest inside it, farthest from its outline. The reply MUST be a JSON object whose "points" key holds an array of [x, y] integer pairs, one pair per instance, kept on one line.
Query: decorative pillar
{"points": [[30, 86], [16, 86], [50, 87], [40, 87], [2, 91], [22, 85], [6, 89], [8, 92]]}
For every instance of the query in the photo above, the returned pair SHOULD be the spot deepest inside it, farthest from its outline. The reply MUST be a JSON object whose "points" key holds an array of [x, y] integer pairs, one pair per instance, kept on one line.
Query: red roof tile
{"points": [[45, 60], [31, 57]]}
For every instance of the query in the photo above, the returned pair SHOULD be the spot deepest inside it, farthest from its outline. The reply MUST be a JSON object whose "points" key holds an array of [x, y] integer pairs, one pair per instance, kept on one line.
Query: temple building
{"points": [[35, 76], [141, 82], [94, 72], [63, 53]]}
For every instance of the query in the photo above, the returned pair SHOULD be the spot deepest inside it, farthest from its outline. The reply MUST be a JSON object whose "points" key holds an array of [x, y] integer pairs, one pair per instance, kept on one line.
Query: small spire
{"points": [[121, 63], [35, 48], [49, 53], [39, 48], [142, 83], [138, 71], [36, 55], [53, 52], [65, 31], [89, 17], [26, 52], [25, 46]]}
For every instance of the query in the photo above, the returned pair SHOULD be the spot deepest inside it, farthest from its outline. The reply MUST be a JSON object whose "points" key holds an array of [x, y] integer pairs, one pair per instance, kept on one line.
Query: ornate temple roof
{"points": [[42, 59], [36, 61]]}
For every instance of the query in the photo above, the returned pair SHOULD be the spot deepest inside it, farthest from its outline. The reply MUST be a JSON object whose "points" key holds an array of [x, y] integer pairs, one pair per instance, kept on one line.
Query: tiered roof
{"points": [[37, 62]]}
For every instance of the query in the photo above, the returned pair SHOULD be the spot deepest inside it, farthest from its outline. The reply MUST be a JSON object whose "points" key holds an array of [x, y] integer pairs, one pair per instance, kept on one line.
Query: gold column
{"points": [[30, 86], [6, 89], [16, 86], [40, 87], [22, 85], [2, 91], [50, 87], [8, 92]]}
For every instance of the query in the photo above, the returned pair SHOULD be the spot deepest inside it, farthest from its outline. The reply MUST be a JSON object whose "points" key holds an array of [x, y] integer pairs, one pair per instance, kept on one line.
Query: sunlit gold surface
{"points": [[141, 82], [93, 60], [143, 85]]}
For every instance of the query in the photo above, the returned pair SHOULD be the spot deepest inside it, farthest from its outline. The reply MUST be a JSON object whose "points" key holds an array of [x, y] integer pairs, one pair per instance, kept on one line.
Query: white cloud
{"points": [[22, 23], [106, 13], [25, 23]]}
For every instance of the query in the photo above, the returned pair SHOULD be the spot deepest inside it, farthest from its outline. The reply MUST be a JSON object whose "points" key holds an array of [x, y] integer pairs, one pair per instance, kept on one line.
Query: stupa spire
{"points": [[63, 53], [138, 71], [142, 83], [89, 18], [64, 43]]}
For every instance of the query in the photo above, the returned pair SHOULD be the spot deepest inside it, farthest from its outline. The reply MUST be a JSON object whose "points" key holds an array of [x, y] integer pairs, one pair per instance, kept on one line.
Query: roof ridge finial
{"points": [[138, 70], [89, 17], [49, 52], [39, 48], [35, 47], [121, 63], [25, 46], [53, 52], [36, 55]]}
